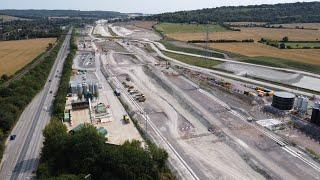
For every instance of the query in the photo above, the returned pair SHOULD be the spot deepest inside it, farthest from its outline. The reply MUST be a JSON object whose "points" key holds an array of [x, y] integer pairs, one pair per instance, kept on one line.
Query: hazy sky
{"points": [[144, 6]]}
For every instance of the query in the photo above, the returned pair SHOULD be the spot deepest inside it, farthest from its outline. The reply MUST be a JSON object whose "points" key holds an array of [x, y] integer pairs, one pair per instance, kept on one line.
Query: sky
{"points": [[132, 6]]}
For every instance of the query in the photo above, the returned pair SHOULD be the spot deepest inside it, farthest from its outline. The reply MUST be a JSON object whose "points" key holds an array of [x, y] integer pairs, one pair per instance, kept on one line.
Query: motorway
{"points": [[21, 156]]}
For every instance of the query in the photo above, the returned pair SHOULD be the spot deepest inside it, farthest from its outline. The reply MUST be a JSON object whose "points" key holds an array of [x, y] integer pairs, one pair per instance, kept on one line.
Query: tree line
{"points": [[279, 13], [37, 28], [38, 14]]}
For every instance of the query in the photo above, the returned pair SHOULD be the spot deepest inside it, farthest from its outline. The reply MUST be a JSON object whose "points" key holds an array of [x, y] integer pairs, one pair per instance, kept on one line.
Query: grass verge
{"points": [[172, 47], [196, 61], [282, 63]]}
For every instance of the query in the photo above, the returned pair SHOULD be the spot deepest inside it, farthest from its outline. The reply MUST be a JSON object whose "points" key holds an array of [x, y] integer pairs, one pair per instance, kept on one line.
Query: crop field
{"points": [[309, 56], [251, 33], [304, 25], [14, 55], [175, 28], [7, 18], [298, 45]]}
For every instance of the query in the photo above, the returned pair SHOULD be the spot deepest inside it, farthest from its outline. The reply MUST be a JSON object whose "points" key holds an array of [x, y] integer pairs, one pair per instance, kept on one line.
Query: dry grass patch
{"points": [[145, 24], [7, 18], [309, 56], [14, 55], [252, 33]]}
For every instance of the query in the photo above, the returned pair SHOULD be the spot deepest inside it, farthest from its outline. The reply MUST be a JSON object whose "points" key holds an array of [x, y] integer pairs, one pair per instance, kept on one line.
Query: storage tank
{"points": [[96, 90], [315, 118], [91, 87], [283, 100], [79, 89], [73, 88], [85, 88], [299, 102], [304, 105]]}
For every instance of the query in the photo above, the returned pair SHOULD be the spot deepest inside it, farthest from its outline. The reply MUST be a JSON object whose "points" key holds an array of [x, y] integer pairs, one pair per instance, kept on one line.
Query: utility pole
{"points": [[207, 41], [2, 29]]}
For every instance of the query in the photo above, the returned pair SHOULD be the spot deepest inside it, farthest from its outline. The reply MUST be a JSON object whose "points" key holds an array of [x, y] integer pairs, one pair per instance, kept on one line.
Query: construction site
{"points": [[212, 126]]}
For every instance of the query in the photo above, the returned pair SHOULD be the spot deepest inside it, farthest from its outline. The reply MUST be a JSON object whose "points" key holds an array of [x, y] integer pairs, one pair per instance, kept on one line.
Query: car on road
{"points": [[50, 92], [13, 137], [49, 80]]}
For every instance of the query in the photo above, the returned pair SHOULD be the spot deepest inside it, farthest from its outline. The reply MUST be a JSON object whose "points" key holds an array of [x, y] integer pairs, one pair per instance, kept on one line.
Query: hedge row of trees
{"points": [[279, 13], [15, 97], [222, 41], [60, 100], [37, 28]]}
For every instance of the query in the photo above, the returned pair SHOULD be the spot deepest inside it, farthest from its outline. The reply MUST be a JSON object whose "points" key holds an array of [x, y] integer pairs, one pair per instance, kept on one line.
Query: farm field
{"points": [[309, 56], [176, 28], [250, 33], [7, 18], [305, 25], [302, 45], [14, 55]]}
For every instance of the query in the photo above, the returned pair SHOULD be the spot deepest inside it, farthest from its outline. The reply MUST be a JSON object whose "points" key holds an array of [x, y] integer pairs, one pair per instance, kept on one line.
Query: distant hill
{"points": [[34, 14], [279, 13]]}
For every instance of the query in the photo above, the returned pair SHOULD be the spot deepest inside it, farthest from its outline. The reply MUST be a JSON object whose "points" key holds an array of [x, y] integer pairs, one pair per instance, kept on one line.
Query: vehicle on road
{"points": [[50, 92], [13, 137], [49, 80]]}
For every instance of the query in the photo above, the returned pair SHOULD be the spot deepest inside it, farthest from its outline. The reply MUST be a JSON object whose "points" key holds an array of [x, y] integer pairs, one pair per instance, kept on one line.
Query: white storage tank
{"points": [[299, 102], [85, 88], [304, 105], [79, 89], [96, 90], [73, 88]]}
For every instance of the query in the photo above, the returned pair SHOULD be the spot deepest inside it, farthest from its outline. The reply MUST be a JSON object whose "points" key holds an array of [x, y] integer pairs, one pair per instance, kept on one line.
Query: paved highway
{"points": [[21, 155]]}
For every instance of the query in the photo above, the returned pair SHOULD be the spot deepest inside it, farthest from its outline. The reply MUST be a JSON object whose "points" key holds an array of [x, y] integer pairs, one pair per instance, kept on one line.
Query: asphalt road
{"points": [[21, 156]]}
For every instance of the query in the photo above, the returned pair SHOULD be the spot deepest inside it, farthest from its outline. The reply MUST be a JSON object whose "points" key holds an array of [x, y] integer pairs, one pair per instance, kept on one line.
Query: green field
{"points": [[302, 45], [166, 28], [196, 61], [173, 47], [282, 63]]}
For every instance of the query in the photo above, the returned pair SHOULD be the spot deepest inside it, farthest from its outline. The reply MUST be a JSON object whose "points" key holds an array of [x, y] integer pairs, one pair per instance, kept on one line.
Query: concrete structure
{"points": [[271, 124], [283, 100]]}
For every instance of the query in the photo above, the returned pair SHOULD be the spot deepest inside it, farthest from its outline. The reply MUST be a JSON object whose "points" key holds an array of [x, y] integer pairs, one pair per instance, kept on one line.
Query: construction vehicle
{"points": [[130, 87], [126, 119], [117, 92]]}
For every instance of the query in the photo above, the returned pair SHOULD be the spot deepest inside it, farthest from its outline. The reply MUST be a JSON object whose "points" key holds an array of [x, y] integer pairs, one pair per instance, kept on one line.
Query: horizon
{"points": [[143, 5]]}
